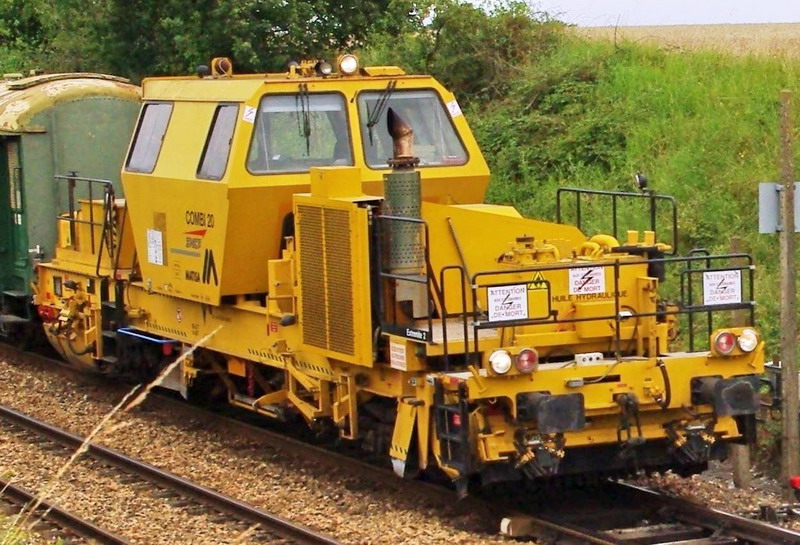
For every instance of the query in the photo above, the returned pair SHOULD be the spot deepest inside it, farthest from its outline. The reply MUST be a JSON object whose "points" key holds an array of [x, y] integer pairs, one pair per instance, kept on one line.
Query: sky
{"points": [[666, 12]]}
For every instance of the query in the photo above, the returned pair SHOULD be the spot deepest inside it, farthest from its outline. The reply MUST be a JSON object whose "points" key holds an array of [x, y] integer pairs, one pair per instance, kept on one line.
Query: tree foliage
{"points": [[474, 51], [137, 38]]}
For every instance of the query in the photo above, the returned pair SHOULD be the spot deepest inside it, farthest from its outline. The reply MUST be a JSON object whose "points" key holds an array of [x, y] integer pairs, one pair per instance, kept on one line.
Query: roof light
{"points": [[323, 68], [500, 360], [527, 360], [348, 64], [724, 343], [748, 340]]}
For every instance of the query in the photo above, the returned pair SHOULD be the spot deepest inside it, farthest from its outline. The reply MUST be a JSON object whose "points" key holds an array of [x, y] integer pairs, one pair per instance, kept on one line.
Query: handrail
{"points": [[615, 195], [425, 279], [106, 234], [617, 264]]}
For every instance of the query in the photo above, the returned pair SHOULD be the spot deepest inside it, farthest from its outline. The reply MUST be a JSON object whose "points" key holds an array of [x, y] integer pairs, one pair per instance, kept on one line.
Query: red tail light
{"points": [[47, 313], [455, 420], [724, 343], [794, 482], [527, 360]]}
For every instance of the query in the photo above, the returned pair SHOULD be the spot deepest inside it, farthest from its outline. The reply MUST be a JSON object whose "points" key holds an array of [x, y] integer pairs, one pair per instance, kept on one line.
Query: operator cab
{"points": [[216, 155]]}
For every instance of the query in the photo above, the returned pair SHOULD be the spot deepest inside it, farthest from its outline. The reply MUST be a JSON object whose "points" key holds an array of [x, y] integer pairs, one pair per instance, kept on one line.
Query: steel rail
{"points": [[207, 496], [63, 519], [753, 531]]}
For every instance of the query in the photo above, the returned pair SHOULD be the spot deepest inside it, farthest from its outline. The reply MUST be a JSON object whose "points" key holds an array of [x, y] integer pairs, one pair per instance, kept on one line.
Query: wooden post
{"points": [[790, 439], [740, 454]]}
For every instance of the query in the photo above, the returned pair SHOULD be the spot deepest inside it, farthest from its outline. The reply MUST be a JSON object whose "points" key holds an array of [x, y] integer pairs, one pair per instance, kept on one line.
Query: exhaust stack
{"points": [[403, 199]]}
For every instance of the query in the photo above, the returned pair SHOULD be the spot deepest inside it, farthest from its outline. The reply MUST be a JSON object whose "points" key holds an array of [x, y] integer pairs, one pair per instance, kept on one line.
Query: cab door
{"points": [[14, 266]]}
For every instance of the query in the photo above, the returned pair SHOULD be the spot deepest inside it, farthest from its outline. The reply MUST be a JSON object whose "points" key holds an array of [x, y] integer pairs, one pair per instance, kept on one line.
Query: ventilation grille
{"points": [[326, 278]]}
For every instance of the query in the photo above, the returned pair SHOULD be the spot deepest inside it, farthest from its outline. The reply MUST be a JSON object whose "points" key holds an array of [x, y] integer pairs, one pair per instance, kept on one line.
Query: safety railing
{"points": [[709, 285], [615, 197], [390, 321], [724, 289], [94, 188]]}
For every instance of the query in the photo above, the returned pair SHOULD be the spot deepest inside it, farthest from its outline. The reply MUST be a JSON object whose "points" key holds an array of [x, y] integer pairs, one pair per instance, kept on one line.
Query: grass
{"points": [[702, 125]]}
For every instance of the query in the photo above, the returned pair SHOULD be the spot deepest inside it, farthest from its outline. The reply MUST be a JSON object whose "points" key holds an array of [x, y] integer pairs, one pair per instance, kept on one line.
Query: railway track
{"points": [[630, 515], [624, 514], [267, 527], [68, 525]]}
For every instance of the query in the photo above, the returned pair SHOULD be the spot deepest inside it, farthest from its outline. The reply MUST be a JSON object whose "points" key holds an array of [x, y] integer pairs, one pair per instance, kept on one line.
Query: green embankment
{"points": [[703, 127]]}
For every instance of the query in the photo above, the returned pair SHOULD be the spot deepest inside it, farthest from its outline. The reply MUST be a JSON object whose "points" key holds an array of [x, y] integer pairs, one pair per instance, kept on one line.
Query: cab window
{"points": [[218, 143], [436, 142], [149, 137], [293, 133]]}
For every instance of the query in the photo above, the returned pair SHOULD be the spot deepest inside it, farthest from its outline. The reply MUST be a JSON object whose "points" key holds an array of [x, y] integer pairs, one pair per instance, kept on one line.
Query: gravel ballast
{"points": [[339, 504]]}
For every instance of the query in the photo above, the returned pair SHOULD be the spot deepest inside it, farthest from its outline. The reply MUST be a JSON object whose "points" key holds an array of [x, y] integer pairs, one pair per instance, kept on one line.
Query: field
{"points": [[775, 40]]}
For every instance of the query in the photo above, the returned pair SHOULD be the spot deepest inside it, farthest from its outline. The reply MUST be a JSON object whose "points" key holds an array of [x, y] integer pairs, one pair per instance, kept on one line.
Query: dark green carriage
{"points": [[52, 124]]}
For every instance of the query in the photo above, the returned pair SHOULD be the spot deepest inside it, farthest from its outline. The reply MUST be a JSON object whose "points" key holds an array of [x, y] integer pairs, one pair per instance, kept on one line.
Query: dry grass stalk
{"points": [[772, 40], [124, 406]]}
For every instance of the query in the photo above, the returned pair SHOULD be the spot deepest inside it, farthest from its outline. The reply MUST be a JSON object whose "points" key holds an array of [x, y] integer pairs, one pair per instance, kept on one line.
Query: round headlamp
{"points": [[748, 340], [500, 360], [348, 64], [323, 68], [527, 360], [724, 343]]}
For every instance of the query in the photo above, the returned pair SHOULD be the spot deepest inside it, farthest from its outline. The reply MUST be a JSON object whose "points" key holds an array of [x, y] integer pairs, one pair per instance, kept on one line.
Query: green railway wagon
{"points": [[51, 125]]}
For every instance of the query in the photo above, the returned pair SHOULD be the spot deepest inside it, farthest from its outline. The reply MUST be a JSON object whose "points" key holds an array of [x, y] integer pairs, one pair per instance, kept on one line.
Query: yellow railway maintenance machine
{"points": [[363, 286]]}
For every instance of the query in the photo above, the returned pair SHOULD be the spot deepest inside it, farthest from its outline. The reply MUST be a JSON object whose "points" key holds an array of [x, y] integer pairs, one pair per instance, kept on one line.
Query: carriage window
{"points": [[436, 142], [149, 136], [218, 143], [296, 132]]}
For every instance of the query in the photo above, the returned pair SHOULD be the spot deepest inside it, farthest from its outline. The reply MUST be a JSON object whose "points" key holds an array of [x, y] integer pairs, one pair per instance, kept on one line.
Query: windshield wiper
{"points": [[374, 116], [304, 111]]}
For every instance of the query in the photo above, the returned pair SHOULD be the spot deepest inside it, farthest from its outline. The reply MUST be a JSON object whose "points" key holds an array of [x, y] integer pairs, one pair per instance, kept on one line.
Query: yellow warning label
{"points": [[538, 282]]}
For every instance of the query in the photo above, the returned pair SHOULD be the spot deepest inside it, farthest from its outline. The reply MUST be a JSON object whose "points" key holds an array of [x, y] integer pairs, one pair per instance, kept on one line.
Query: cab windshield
{"points": [[435, 140], [296, 132]]}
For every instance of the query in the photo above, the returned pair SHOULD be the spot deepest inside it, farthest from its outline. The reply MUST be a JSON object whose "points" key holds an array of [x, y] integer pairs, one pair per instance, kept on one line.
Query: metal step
{"points": [[110, 360], [8, 319], [16, 293], [110, 334]]}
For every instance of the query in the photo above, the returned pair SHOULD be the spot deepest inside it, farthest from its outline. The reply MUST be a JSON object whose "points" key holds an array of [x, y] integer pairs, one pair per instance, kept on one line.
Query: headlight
{"points": [[323, 68], [724, 343], [527, 360], [348, 64], [748, 340], [500, 360]]}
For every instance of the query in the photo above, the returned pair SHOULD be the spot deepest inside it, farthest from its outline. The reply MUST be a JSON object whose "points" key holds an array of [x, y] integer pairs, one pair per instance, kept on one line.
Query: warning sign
{"points": [[722, 287], [508, 302], [155, 247], [538, 282], [397, 356], [587, 280]]}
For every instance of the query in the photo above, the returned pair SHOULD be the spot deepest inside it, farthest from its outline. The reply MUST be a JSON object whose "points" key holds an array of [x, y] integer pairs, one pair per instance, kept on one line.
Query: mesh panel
{"points": [[326, 278], [312, 269], [340, 282]]}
